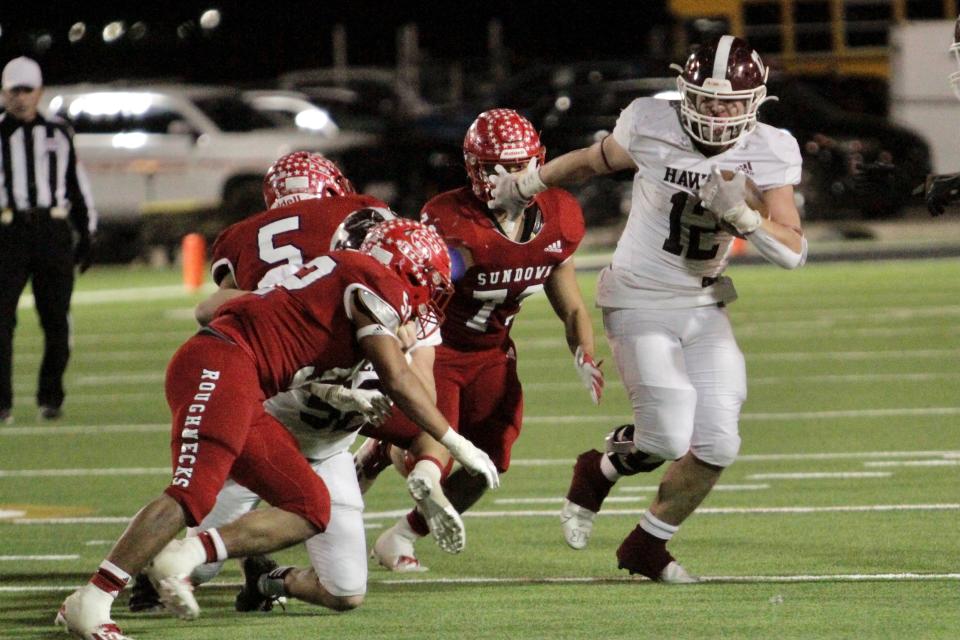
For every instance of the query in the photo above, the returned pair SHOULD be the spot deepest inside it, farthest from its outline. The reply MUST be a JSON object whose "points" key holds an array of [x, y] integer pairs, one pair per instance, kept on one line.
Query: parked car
{"points": [[292, 110], [152, 151]]}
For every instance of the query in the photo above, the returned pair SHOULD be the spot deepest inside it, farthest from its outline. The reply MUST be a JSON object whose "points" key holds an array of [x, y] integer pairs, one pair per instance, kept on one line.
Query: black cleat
{"points": [[143, 597], [250, 598], [48, 412]]}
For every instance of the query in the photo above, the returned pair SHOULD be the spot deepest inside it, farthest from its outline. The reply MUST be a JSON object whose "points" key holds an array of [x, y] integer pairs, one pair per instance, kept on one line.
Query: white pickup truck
{"points": [[161, 150]]}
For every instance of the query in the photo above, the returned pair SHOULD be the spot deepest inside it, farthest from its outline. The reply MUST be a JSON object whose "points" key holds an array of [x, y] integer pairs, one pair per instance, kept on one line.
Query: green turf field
{"points": [[840, 521]]}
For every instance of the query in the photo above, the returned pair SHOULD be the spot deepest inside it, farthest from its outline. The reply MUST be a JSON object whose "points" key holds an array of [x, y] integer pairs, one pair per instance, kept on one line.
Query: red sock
{"points": [[110, 578]]}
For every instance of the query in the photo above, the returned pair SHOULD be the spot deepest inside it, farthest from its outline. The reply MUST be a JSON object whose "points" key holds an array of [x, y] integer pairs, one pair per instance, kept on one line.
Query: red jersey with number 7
{"points": [[261, 250], [500, 272], [305, 319]]}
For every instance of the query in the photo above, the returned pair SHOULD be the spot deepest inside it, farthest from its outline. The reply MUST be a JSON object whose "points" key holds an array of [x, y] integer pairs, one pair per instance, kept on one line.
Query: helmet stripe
{"points": [[722, 57]]}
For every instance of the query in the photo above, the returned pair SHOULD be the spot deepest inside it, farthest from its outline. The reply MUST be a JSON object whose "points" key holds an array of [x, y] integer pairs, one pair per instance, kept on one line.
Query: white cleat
{"points": [[394, 551], [444, 521], [674, 573], [86, 614], [577, 523], [170, 574]]}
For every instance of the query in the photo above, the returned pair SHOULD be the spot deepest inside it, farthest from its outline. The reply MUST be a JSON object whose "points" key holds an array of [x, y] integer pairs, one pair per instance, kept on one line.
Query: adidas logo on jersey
{"points": [[554, 247], [746, 168]]}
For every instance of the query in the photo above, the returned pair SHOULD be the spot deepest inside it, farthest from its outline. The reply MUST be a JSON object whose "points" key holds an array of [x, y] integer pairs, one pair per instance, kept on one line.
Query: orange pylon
{"points": [[193, 250]]}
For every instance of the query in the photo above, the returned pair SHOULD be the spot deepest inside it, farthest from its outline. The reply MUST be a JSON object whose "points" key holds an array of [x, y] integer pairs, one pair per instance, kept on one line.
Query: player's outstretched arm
{"points": [[382, 349], [511, 191], [206, 309], [564, 294]]}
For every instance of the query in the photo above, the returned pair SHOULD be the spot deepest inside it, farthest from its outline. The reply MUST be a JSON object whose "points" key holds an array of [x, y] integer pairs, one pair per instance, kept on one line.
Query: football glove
{"points": [[474, 460], [941, 191], [512, 192], [726, 200], [372, 405], [590, 374]]}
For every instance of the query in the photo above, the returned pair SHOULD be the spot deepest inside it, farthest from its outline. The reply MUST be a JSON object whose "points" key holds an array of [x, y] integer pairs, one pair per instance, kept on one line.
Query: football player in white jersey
{"points": [[664, 295], [941, 190]]}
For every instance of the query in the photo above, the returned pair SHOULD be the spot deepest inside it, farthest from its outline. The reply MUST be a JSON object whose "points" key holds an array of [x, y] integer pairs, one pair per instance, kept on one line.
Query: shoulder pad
{"points": [[374, 306], [565, 209]]}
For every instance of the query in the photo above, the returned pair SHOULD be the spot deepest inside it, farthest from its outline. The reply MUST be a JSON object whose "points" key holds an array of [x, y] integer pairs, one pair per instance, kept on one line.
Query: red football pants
{"points": [[220, 429]]}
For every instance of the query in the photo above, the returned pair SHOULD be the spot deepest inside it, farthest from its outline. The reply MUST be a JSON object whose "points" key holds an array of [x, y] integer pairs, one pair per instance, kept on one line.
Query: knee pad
{"points": [[624, 456], [722, 452]]}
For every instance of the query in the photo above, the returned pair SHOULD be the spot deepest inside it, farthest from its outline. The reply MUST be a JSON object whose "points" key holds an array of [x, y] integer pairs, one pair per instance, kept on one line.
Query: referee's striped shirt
{"points": [[39, 170]]}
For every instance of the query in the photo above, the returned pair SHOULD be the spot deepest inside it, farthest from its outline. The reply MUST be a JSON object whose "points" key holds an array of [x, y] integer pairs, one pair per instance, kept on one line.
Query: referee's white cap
{"points": [[22, 72]]}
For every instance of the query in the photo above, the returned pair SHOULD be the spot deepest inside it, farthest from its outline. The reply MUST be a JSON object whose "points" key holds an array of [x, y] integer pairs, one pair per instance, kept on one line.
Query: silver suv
{"points": [[164, 149]]}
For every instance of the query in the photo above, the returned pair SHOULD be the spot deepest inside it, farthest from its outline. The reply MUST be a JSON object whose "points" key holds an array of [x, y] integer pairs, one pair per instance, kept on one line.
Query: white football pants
{"points": [[686, 379], [338, 555]]}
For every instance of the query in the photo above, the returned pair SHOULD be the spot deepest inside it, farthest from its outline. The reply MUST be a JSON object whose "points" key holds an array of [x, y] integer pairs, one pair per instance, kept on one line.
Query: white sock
{"points": [[404, 529], [608, 470], [657, 527], [428, 468]]}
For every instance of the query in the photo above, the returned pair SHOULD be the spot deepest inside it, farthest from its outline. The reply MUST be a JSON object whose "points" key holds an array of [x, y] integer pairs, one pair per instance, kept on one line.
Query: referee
{"points": [[46, 219]]}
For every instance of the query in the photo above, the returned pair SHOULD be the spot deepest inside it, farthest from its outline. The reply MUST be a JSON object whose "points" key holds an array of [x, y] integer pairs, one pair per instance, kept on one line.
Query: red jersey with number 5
{"points": [[500, 272], [261, 250], [304, 320]]}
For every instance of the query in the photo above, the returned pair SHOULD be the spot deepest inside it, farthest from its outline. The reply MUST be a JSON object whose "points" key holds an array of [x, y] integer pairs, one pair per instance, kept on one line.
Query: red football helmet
{"points": [[499, 136], [354, 228], [301, 175], [726, 78], [419, 256], [955, 50]]}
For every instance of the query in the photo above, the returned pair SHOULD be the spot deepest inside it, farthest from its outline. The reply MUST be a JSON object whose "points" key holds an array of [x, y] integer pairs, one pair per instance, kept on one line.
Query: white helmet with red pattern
{"points": [[302, 175], [499, 136], [727, 74], [419, 256], [955, 50]]}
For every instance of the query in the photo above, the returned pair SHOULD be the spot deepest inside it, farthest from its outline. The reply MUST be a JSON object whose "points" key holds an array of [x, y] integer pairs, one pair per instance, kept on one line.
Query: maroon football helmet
{"points": [[955, 50], [301, 175], [721, 86], [499, 136], [419, 256]]}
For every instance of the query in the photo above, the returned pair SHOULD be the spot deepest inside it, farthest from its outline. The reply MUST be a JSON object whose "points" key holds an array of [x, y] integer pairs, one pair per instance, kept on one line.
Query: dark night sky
{"points": [[256, 43]]}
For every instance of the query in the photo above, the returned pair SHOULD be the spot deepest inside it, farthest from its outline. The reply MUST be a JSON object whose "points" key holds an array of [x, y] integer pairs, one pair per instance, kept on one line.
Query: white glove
{"points": [[590, 373], [474, 460], [512, 192], [726, 200], [374, 406]]}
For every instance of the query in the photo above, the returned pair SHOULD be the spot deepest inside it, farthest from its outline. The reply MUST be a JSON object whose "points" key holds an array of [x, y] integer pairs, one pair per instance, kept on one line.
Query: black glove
{"points": [[941, 191], [83, 252], [872, 177]]}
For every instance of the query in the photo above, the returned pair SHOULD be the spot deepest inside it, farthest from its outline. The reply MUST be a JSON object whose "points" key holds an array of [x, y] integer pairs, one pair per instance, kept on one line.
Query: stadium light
{"points": [[114, 31], [77, 32], [210, 19]]}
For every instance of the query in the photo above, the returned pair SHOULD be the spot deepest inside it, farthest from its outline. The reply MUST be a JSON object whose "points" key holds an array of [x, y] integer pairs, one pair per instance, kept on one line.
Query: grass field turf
{"points": [[857, 360]]}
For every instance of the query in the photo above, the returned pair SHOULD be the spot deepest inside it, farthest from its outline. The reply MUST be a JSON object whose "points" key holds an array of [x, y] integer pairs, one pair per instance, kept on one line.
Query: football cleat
{"points": [[394, 552], [250, 598], [588, 486], [82, 616], [444, 521], [647, 555], [143, 597], [170, 574], [370, 459], [577, 524]]}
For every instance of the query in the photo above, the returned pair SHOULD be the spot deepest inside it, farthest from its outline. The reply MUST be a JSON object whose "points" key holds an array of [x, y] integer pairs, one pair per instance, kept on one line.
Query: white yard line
{"points": [[560, 499], [817, 475], [130, 294], [72, 473], [553, 513], [781, 356], [71, 556], [913, 463], [719, 487]]}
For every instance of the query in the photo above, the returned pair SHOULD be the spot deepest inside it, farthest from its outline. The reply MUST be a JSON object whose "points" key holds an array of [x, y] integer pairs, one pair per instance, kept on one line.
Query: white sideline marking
{"points": [[835, 577], [29, 558], [480, 580], [719, 487], [780, 356], [773, 416], [85, 429], [559, 500], [6, 514], [820, 475], [553, 513], [914, 463], [763, 380], [100, 296], [54, 473]]}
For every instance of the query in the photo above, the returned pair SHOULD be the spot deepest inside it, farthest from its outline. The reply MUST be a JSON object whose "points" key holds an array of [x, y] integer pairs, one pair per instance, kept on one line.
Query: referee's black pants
{"points": [[37, 247]]}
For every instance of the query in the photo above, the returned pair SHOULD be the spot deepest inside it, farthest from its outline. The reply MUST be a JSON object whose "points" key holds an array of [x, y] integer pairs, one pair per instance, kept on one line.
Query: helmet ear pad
{"points": [[498, 136]]}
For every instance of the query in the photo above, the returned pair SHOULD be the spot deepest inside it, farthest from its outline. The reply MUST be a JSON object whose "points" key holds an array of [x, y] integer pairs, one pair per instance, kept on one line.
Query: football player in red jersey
{"points": [[336, 311], [504, 258], [664, 294]]}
